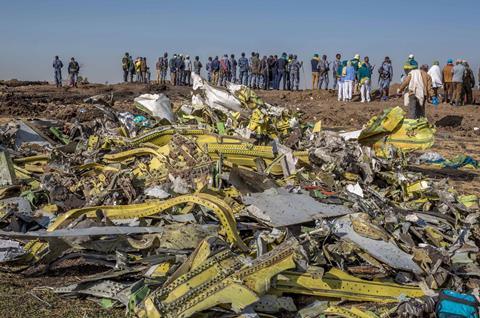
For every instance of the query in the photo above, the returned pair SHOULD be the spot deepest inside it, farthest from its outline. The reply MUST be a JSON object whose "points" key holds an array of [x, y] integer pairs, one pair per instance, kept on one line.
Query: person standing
{"points": [[294, 70], [315, 74], [458, 72], [215, 70], [138, 69], [243, 69], [356, 65], [419, 85], [164, 68], [180, 66], [273, 71], [224, 70], [281, 67], [188, 70], [209, 69], [158, 69], [73, 70], [340, 74], [448, 82], [364, 76], [255, 70], [349, 79], [57, 66], [437, 80], [385, 76], [287, 72], [197, 66], [125, 66], [131, 68], [233, 69], [264, 73], [323, 69], [336, 64], [173, 70], [143, 69], [468, 84]]}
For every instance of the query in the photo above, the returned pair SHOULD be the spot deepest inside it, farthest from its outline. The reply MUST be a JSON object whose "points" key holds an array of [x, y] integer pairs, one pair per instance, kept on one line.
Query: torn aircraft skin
{"points": [[228, 206]]}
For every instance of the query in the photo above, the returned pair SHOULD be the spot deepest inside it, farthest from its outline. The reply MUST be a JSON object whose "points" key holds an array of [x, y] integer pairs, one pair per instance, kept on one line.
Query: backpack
{"points": [[384, 71], [455, 305]]}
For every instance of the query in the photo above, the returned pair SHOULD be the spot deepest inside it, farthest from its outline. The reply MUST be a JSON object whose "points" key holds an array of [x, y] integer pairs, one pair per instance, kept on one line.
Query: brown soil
{"points": [[456, 135]]}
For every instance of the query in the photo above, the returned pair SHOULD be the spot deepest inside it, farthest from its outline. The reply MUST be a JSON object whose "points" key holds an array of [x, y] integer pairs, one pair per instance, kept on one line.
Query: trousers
{"points": [[335, 80], [173, 78], [243, 77], [457, 93], [365, 91], [448, 92], [58, 77], [415, 108], [341, 96], [215, 76], [125, 75], [280, 77], [187, 79], [315, 76], [73, 79], [347, 90], [323, 79], [294, 80]]}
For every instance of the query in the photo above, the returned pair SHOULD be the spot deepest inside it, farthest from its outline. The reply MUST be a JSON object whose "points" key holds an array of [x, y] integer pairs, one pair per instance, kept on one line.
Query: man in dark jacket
{"points": [[209, 69], [125, 66], [57, 66], [173, 70], [233, 69], [197, 65], [273, 71], [323, 69], [215, 70], [73, 70], [281, 71], [180, 67]]}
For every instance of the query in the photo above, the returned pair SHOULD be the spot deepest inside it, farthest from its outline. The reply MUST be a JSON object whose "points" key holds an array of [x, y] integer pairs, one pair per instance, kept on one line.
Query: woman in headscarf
{"points": [[437, 79]]}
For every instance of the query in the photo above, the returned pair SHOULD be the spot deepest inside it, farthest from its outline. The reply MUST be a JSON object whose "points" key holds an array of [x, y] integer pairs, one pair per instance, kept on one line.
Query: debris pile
{"points": [[232, 207]]}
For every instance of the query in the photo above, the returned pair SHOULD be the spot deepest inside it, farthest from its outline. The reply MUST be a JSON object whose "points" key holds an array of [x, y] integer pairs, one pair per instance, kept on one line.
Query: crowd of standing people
{"points": [[422, 84], [418, 83]]}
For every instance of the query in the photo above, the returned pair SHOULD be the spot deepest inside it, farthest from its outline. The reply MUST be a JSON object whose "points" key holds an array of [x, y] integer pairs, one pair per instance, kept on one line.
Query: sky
{"points": [[98, 32]]}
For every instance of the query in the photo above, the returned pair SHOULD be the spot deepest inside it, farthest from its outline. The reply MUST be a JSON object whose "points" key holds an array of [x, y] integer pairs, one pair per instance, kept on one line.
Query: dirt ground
{"points": [[458, 132]]}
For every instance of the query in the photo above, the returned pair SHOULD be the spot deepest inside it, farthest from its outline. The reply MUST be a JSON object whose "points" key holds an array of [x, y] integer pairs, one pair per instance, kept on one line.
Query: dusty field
{"points": [[18, 296]]}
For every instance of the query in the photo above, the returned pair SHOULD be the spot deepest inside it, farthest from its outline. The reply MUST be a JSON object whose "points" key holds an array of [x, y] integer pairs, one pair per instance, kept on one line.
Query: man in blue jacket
{"points": [[281, 70], [215, 70], [57, 66], [243, 68]]}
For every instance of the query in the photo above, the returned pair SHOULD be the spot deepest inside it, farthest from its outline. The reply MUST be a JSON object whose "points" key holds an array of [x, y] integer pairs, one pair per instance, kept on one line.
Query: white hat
{"points": [[411, 56], [357, 56]]}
